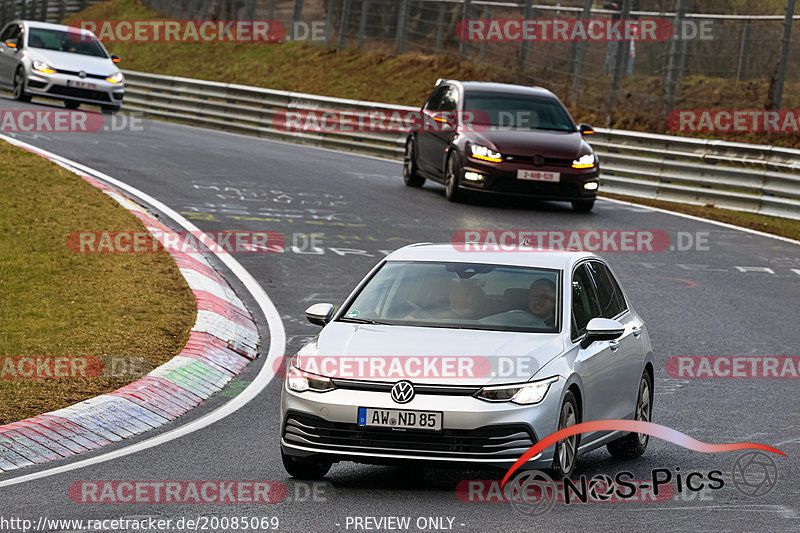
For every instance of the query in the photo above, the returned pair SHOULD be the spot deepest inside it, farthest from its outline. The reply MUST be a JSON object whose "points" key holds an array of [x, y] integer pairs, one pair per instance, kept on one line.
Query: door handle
{"points": [[614, 345], [637, 331]]}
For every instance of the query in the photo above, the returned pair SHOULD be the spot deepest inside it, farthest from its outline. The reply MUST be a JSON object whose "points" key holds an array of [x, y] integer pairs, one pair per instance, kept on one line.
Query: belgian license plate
{"points": [[538, 175], [395, 418], [81, 84]]}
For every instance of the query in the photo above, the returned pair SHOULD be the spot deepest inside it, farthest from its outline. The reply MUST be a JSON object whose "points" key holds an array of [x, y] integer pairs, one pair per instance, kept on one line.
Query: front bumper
{"points": [[501, 178], [323, 426], [59, 86]]}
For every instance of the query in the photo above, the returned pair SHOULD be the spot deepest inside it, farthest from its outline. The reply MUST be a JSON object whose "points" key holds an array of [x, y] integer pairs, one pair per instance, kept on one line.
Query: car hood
{"points": [[550, 144], [488, 357], [102, 66]]}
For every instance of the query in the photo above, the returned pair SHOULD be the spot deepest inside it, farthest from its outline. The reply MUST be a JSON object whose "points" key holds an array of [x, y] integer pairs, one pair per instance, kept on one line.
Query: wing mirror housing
{"points": [[586, 129], [602, 329], [116, 59], [319, 314], [12, 43]]}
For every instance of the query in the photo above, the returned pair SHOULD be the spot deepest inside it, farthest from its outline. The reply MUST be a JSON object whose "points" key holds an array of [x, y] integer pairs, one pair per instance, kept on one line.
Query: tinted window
{"points": [[608, 291], [6, 35], [62, 41], [460, 295], [584, 301], [449, 99], [11, 32], [519, 112], [435, 99]]}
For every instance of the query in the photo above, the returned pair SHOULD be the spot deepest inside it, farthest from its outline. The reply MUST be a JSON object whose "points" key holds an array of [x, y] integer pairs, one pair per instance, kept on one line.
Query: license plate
{"points": [[395, 418], [81, 84], [538, 175]]}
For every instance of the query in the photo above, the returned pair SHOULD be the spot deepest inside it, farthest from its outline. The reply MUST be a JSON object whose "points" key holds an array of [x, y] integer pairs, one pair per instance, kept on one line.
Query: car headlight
{"points": [[521, 393], [116, 78], [41, 66], [301, 381], [586, 161], [485, 153]]}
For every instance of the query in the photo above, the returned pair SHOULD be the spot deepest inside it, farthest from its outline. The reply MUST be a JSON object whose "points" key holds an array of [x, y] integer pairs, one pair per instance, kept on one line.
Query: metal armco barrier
{"points": [[744, 177], [41, 10]]}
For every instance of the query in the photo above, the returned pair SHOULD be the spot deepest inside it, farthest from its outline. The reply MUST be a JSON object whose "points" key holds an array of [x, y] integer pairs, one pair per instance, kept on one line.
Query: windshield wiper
{"points": [[362, 321]]}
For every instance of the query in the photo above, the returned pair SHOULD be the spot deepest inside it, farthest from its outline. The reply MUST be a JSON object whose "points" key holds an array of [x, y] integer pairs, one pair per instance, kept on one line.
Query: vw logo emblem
{"points": [[403, 392], [82, 74], [538, 160]]}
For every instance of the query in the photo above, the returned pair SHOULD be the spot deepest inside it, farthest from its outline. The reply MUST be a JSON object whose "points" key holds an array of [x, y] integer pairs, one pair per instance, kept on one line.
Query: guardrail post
{"points": [[780, 77], [673, 61], [23, 10], [43, 16], [619, 66], [62, 10], [271, 10], [580, 56], [251, 10], [743, 50], [343, 25], [84, 4], [297, 13], [437, 49], [464, 44], [362, 23], [525, 45], [487, 14], [401, 36]]}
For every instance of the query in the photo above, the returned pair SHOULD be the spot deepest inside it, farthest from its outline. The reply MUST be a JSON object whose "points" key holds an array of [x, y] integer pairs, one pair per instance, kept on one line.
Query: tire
{"points": [[566, 454], [304, 469], [634, 444], [19, 87], [582, 206], [411, 175], [451, 180], [70, 104]]}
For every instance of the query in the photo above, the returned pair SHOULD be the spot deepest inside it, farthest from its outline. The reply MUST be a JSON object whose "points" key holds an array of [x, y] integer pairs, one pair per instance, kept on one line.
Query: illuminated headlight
{"points": [[523, 393], [586, 161], [301, 381], [473, 176], [116, 78], [591, 186], [41, 66], [484, 153]]}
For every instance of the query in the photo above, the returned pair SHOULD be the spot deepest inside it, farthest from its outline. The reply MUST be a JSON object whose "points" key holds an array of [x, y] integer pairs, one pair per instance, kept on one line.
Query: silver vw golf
{"points": [[60, 62], [468, 357]]}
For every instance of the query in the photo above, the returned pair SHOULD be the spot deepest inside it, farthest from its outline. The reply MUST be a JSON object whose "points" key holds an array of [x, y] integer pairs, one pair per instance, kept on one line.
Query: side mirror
{"points": [[116, 59], [586, 129], [12, 43], [319, 314], [602, 329]]}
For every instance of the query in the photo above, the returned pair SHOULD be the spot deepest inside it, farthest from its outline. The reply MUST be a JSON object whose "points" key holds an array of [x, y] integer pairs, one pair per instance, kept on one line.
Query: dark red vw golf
{"points": [[503, 139]]}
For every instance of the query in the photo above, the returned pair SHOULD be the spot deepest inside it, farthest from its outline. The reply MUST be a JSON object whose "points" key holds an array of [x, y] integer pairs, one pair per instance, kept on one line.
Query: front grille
{"points": [[88, 94], [504, 442], [547, 161], [382, 386], [76, 73]]}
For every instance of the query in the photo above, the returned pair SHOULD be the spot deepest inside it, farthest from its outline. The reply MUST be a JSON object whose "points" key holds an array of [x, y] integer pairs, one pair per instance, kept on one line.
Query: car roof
{"points": [[552, 259], [506, 88], [48, 25]]}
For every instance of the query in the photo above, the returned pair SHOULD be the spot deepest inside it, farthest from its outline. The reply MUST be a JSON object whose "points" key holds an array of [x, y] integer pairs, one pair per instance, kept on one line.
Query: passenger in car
{"points": [[542, 300]]}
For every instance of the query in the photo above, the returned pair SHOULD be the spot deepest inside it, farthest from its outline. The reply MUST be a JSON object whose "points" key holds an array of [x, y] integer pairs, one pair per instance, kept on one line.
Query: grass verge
{"points": [[134, 310]]}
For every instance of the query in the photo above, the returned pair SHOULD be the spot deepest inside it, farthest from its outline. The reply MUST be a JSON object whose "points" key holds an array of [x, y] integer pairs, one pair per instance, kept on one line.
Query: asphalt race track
{"points": [[737, 295]]}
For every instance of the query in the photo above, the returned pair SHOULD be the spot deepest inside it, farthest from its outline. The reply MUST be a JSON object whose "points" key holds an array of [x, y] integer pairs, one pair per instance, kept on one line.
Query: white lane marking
{"points": [[277, 341], [708, 220]]}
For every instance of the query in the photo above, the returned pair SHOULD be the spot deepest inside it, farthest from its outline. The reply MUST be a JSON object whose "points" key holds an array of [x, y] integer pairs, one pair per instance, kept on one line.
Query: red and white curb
{"points": [[221, 343]]}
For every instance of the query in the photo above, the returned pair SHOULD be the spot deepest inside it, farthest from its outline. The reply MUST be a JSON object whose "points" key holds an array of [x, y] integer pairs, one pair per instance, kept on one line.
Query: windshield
{"points": [[65, 41], [460, 295], [504, 111]]}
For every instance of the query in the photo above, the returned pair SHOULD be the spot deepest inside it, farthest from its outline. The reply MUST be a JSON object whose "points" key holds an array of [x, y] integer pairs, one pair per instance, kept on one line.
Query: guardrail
{"points": [[41, 10], [744, 177]]}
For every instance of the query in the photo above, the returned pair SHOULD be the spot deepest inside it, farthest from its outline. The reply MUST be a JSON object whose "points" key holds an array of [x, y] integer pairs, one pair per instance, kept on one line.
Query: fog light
{"points": [[591, 186], [473, 176]]}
